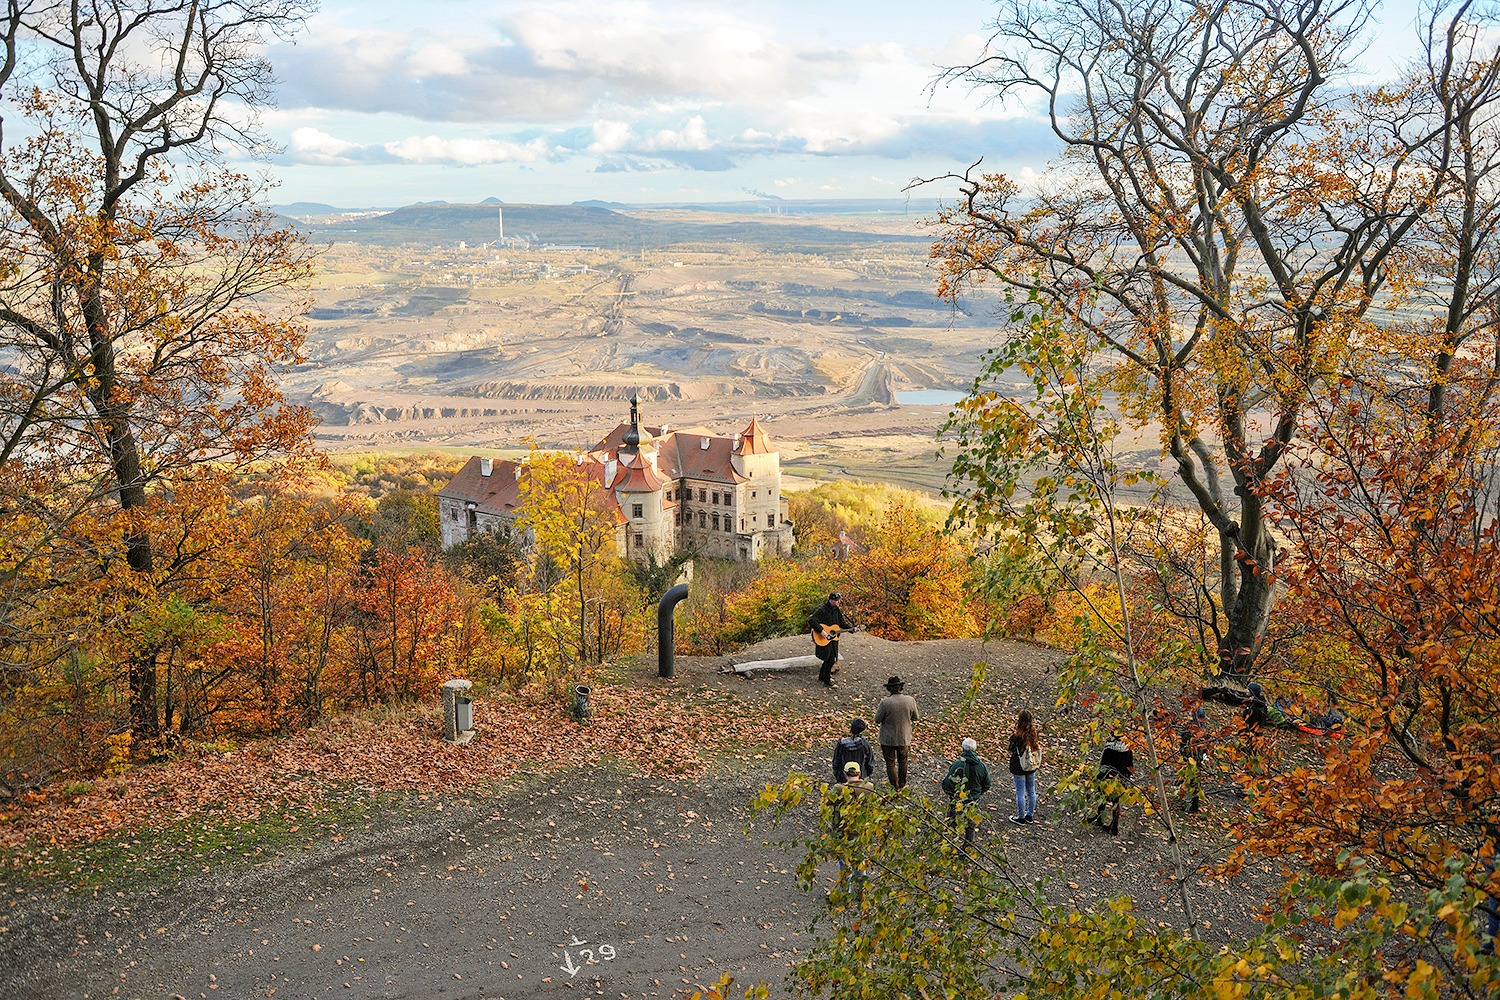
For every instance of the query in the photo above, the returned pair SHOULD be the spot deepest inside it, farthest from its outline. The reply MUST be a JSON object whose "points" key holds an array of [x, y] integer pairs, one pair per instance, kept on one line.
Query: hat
{"points": [[857, 726], [969, 744], [852, 767], [835, 596], [1255, 687], [895, 684]]}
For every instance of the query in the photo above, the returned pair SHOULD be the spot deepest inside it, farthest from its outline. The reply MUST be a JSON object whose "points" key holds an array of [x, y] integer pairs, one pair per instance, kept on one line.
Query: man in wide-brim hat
{"points": [[895, 715]]}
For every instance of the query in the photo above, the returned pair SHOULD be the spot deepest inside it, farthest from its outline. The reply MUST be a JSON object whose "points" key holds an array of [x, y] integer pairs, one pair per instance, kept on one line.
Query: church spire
{"points": [[636, 435]]}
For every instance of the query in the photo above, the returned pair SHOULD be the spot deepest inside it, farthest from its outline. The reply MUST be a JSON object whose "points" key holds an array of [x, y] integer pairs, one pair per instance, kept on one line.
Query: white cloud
{"points": [[540, 64], [466, 152], [692, 136], [309, 145], [636, 87], [610, 137], [640, 48]]}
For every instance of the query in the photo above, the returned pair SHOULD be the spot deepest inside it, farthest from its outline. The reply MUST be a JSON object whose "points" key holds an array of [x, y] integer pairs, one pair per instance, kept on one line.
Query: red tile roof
{"points": [[636, 475], [756, 441], [498, 493]]}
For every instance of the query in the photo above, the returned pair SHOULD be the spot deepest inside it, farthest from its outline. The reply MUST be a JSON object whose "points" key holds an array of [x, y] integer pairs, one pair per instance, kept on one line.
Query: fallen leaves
{"points": [[668, 731]]}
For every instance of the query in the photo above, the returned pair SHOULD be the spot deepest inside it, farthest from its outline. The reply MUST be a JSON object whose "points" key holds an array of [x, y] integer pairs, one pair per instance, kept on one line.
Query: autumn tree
{"points": [[1391, 514], [492, 559], [571, 521], [909, 581], [1051, 506], [1390, 511], [287, 579], [407, 631], [406, 517], [135, 319], [1226, 213]]}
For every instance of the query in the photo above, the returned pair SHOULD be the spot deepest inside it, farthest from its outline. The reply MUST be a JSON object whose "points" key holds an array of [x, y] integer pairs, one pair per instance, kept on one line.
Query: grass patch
{"points": [[186, 847]]}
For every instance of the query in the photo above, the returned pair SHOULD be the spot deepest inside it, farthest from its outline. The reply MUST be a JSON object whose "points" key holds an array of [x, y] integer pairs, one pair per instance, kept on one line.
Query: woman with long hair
{"points": [[1025, 760]]}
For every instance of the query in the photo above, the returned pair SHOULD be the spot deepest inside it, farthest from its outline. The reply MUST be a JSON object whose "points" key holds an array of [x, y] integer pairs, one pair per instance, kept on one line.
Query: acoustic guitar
{"points": [[822, 635]]}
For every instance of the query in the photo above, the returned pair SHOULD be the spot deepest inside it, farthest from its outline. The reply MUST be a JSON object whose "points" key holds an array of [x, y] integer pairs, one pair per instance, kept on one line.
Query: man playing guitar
{"points": [[827, 622]]}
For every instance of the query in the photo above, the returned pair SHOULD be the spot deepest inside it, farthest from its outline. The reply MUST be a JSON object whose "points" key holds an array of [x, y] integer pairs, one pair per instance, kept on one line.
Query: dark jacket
{"points": [[1116, 761], [1256, 712], [1016, 745], [968, 774], [828, 614], [857, 749]]}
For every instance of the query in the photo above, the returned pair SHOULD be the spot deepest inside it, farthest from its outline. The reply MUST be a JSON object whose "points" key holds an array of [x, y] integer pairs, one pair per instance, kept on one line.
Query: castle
{"points": [[672, 491]]}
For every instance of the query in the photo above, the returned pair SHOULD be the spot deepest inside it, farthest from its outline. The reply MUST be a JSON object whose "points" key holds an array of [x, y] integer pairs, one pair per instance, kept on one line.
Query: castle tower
{"points": [[636, 435]]}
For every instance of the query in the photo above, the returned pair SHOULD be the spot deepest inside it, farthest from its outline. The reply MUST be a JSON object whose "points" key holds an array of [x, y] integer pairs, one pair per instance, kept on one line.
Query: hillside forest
{"points": [[325, 590]]}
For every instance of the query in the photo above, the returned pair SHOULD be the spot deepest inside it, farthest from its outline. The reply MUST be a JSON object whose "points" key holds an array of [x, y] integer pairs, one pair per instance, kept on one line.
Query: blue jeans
{"points": [[1025, 794]]}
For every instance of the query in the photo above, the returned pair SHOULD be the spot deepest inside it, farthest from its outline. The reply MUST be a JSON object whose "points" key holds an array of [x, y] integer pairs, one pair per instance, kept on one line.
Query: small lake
{"points": [[929, 397]]}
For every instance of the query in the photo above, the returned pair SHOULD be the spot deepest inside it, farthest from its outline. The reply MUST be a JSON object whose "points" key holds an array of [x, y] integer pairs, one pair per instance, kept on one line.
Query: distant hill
{"points": [[916, 206], [578, 224], [306, 208]]}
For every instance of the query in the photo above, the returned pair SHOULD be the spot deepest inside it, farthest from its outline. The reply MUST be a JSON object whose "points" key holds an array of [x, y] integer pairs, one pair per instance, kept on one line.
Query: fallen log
{"points": [[774, 666]]}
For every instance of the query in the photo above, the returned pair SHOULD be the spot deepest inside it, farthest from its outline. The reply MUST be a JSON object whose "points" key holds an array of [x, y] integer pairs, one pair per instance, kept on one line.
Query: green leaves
{"points": [[911, 912]]}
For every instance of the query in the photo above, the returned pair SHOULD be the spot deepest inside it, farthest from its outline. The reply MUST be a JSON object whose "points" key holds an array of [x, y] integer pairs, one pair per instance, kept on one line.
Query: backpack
{"points": [[1030, 759], [950, 782], [846, 750]]}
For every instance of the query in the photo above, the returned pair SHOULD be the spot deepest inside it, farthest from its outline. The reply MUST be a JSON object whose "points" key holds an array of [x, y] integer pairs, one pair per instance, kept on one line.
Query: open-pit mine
{"points": [[825, 326]]}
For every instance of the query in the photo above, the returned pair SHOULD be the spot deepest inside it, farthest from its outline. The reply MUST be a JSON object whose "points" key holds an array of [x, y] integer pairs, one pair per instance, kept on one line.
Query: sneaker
{"points": [[1018, 820], [1029, 819]]}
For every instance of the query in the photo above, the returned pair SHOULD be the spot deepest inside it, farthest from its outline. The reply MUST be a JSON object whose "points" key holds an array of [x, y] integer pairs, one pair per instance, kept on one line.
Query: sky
{"points": [[644, 101]]}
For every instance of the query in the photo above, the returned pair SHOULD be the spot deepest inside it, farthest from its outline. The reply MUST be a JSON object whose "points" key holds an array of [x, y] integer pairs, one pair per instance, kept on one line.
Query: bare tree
{"points": [[1225, 216]]}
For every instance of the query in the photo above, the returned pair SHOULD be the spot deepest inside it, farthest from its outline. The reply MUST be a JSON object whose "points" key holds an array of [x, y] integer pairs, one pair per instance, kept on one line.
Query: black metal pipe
{"points": [[669, 600]]}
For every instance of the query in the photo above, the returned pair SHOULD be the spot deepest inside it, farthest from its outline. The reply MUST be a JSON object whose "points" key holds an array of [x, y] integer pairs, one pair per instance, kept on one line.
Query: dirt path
{"points": [[593, 881]]}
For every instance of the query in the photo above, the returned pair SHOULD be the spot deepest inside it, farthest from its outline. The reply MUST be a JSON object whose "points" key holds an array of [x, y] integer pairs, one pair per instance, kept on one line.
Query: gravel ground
{"points": [[588, 881]]}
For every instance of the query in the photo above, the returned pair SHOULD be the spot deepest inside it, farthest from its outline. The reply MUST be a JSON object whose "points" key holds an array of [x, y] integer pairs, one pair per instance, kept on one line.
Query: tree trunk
{"points": [[145, 724], [1247, 612]]}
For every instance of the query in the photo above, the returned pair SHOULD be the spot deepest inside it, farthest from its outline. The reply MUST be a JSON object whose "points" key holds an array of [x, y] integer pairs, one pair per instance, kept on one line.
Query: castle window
{"points": [[729, 499], [754, 493], [703, 496], [742, 524], [677, 517], [639, 540], [754, 518], [716, 522], [716, 498], [453, 514], [702, 519], [635, 510], [728, 524], [770, 520]]}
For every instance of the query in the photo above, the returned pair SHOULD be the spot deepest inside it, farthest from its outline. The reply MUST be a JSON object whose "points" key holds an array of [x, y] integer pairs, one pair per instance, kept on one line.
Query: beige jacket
{"points": [[895, 715]]}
